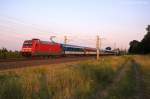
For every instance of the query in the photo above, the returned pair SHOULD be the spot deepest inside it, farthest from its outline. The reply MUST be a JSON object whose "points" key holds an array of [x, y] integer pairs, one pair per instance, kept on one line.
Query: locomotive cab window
{"points": [[27, 45]]}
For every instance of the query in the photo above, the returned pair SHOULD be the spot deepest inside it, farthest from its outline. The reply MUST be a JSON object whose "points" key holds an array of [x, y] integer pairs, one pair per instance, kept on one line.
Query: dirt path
{"points": [[102, 94], [139, 80]]}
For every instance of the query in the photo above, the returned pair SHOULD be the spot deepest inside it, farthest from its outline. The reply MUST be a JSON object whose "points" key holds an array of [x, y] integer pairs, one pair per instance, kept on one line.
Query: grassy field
{"points": [[76, 80], [126, 86], [144, 63]]}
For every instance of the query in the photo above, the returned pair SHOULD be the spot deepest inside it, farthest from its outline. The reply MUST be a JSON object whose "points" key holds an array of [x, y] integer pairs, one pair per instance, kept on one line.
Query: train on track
{"points": [[36, 47]]}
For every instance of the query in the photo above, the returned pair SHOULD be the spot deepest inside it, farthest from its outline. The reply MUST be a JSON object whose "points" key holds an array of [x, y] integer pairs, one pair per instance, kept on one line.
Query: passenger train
{"points": [[36, 47]]}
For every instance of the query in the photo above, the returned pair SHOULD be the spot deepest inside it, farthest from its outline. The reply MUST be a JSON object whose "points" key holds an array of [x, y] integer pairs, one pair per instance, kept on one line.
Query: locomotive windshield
{"points": [[27, 44]]}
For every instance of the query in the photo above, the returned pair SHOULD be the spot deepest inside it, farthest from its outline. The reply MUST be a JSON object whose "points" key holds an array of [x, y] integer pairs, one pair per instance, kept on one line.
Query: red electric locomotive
{"points": [[36, 47]]}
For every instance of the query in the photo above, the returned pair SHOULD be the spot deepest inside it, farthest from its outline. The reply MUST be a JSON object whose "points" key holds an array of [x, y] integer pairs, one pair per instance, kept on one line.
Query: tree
{"points": [[142, 47], [148, 28], [145, 43], [134, 47]]}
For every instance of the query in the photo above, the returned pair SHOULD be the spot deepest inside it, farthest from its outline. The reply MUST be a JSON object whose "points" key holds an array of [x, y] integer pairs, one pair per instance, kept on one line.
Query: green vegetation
{"points": [[78, 80], [4, 53], [142, 47], [144, 62], [126, 87], [75, 81]]}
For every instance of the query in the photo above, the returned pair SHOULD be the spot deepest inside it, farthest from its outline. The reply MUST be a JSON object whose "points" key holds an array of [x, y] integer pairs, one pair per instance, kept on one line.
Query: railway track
{"points": [[21, 59], [27, 59], [45, 58], [13, 59], [22, 63]]}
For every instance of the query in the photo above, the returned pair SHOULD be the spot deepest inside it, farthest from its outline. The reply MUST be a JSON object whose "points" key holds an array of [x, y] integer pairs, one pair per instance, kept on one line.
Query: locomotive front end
{"points": [[27, 48]]}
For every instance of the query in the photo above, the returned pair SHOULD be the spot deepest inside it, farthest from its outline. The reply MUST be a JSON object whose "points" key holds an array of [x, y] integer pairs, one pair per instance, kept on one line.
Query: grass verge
{"points": [[144, 62], [126, 87], [75, 81]]}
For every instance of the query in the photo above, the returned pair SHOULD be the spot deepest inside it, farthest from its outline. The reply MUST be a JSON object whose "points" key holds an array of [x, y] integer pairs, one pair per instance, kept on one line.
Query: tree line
{"points": [[143, 46], [4, 54]]}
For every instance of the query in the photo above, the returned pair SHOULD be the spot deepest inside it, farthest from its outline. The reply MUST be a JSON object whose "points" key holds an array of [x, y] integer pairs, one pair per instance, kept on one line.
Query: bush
{"points": [[4, 53]]}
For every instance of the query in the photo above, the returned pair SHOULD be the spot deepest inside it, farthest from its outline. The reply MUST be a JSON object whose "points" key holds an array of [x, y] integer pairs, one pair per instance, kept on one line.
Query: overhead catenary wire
{"points": [[11, 32], [31, 25], [83, 38]]}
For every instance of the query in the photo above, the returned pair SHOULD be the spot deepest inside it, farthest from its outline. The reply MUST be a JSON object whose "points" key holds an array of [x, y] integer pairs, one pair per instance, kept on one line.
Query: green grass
{"points": [[10, 87], [126, 87], [74, 81], [144, 62]]}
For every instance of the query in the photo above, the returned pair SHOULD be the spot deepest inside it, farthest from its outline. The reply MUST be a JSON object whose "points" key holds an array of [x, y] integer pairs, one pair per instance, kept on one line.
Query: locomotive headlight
{"points": [[26, 49]]}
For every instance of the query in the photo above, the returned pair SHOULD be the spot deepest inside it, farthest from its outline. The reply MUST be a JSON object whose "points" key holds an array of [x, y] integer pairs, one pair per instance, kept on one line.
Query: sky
{"points": [[117, 22]]}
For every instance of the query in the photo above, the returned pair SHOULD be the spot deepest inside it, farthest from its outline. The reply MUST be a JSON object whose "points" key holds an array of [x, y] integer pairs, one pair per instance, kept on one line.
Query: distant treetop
{"points": [[142, 47], [148, 28]]}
